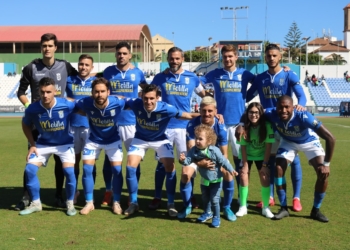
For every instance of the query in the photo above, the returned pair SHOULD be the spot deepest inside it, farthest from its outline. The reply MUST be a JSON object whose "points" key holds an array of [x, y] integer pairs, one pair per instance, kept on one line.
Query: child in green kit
{"points": [[255, 147]]}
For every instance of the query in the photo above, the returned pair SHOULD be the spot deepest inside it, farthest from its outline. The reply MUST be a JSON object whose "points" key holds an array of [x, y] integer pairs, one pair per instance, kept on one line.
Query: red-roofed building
{"points": [[78, 39]]}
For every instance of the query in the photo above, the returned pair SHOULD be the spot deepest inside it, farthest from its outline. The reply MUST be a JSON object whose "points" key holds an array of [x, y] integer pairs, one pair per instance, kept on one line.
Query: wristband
{"points": [[326, 163], [26, 104], [264, 164]]}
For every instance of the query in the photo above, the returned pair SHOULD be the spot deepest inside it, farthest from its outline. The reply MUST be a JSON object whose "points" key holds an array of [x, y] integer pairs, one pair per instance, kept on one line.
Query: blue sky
{"points": [[191, 21]]}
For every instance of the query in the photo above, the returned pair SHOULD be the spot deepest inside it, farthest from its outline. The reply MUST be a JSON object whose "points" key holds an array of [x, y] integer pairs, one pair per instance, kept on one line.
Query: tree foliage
{"points": [[335, 60], [197, 56], [293, 40]]}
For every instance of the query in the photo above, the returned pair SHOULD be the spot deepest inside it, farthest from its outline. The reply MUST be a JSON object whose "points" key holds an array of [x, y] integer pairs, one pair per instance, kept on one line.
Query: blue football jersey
{"points": [[103, 122], [219, 129], [124, 83], [151, 126], [299, 129], [271, 87], [177, 90], [78, 88], [52, 124], [230, 92]]}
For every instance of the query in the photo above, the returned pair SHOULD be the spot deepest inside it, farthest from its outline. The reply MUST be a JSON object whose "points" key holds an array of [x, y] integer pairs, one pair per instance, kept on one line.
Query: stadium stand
{"points": [[8, 90], [332, 93]]}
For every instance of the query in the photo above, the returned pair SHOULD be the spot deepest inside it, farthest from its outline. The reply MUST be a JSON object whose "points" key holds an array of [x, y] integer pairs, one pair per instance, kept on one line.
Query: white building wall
{"points": [[326, 70]]}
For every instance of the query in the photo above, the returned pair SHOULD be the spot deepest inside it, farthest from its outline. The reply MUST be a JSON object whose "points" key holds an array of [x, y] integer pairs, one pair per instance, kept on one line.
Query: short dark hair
{"points": [[175, 49], [284, 98], [122, 45], [150, 88], [46, 81], [48, 37], [272, 46], [101, 80], [85, 56]]}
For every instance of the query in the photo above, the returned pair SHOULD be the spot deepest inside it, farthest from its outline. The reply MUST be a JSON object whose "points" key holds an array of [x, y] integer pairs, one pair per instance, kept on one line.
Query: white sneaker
{"points": [[89, 206], [71, 211], [242, 211], [117, 209], [267, 212]]}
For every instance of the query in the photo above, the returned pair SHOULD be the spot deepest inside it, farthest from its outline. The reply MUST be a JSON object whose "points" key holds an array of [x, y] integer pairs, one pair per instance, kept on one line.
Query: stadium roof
{"points": [[331, 48], [74, 33]]}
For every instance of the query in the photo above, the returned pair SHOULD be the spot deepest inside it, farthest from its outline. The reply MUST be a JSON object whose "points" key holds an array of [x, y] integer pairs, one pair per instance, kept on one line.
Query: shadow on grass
{"points": [[12, 195]]}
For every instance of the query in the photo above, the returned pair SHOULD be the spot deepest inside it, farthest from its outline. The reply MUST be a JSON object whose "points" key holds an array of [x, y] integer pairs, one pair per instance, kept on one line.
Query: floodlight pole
{"points": [[234, 17]]}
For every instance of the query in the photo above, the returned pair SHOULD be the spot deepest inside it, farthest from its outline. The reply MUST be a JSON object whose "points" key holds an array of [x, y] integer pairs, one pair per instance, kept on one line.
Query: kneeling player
{"points": [[102, 111], [50, 116], [299, 130], [152, 118]]}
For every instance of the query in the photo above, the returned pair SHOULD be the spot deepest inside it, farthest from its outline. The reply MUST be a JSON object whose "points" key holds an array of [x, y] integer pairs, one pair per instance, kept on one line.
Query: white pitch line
{"points": [[344, 126]]}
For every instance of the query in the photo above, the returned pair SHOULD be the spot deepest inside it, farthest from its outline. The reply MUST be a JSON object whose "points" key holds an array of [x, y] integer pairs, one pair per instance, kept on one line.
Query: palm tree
{"points": [[335, 60]]}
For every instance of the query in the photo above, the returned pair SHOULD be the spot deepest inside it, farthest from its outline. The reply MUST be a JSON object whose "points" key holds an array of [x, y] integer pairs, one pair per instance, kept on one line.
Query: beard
{"points": [[175, 68], [100, 101]]}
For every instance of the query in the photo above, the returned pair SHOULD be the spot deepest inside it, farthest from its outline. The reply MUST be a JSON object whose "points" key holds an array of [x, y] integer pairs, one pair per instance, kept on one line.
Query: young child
{"points": [[211, 179], [255, 146]]}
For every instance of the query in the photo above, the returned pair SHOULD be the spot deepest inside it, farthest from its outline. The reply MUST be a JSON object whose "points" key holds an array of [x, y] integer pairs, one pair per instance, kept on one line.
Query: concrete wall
{"points": [[326, 70]]}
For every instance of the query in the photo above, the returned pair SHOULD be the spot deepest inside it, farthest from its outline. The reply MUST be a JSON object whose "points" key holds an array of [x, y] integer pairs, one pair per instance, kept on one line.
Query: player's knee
{"points": [[263, 176], [31, 170], [226, 175], [186, 176]]}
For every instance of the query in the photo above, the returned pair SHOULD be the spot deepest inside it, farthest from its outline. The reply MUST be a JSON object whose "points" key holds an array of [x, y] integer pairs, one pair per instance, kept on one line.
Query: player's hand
{"points": [[239, 132], [32, 150], [323, 172], [234, 173], [206, 163], [299, 108], [220, 118], [286, 68], [265, 171]]}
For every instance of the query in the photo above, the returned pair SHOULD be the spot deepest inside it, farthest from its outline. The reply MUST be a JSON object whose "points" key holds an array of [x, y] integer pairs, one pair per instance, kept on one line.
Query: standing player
{"points": [[78, 87], [51, 118], [177, 86], [299, 131], [125, 80], [230, 86], [102, 111], [270, 85], [58, 70], [207, 117], [152, 118]]}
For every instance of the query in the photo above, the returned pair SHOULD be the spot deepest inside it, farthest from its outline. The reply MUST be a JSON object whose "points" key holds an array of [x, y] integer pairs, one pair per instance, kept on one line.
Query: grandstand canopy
{"points": [[20, 39]]}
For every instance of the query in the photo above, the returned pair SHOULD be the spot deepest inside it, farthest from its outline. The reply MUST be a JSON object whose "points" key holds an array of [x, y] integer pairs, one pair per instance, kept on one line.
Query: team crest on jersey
{"points": [[140, 112], [158, 117], [239, 77], [281, 82], [60, 114], [296, 128], [92, 112], [113, 112], [133, 77], [58, 77], [39, 116], [187, 80]]}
